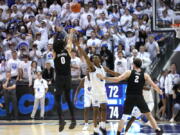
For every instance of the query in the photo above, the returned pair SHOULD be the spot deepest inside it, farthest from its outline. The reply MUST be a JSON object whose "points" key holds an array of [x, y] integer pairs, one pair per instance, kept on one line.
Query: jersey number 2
{"points": [[63, 61], [136, 79]]}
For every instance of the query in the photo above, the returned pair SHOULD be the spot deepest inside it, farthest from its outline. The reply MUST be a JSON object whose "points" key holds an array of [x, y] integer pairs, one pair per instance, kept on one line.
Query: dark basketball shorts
{"points": [[135, 100], [62, 83]]}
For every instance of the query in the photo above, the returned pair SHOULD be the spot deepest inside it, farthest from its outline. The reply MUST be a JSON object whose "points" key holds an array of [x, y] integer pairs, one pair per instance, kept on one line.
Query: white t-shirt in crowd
{"points": [[93, 42], [120, 65], [75, 73], [40, 86], [13, 65], [26, 67]]}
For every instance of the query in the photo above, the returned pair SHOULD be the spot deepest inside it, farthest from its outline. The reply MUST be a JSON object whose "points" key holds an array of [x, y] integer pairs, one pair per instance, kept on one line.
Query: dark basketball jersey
{"points": [[62, 63], [135, 83]]}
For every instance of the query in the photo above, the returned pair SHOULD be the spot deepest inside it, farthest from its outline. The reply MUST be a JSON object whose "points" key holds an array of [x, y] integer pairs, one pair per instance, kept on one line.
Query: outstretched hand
{"points": [[160, 92], [100, 76]]}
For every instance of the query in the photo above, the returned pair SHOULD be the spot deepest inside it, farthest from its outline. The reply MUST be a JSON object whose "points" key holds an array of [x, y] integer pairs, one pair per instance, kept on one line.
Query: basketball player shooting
{"points": [[62, 63], [136, 80]]}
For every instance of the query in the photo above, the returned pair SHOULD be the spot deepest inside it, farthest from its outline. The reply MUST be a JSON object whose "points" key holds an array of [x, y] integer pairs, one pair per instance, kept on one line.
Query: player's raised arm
{"points": [[81, 85], [150, 82], [88, 61], [122, 77]]}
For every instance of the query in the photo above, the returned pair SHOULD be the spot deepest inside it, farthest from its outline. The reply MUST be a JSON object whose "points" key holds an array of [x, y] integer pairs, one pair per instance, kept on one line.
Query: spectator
{"points": [[153, 48], [130, 59], [163, 101], [75, 66], [144, 56], [169, 83], [93, 41], [48, 54], [48, 73], [120, 64], [107, 57], [25, 67], [36, 55], [9, 86], [126, 21], [176, 97], [40, 89], [3, 70], [13, 65], [34, 69]]}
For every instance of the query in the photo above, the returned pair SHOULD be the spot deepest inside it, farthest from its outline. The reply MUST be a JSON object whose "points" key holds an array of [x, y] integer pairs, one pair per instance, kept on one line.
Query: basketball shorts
{"points": [[135, 100], [97, 100], [137, 113], [62, 83], [87, 100]]}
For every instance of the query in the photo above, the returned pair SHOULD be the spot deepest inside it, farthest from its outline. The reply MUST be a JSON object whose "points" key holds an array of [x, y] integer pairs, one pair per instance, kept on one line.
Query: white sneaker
{"points": [[86, 126], [172, 120]]}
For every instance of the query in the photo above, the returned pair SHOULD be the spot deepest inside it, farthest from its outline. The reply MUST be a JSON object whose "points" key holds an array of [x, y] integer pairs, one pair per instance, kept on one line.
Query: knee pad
{"points": [[125, 117]]}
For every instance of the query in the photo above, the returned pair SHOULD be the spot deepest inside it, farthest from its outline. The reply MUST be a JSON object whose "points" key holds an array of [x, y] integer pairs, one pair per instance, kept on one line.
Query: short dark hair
{"points": [[137, 62]]}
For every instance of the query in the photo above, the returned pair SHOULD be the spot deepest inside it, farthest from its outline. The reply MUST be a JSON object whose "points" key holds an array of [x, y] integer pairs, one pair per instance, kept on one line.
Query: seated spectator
{"points": [[9, 86], [48, 73], [176, 97], [40, 90]]}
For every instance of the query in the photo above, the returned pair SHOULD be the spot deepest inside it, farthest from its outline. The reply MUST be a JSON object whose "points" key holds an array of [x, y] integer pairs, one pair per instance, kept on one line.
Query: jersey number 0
{"points": [[63, 61]]}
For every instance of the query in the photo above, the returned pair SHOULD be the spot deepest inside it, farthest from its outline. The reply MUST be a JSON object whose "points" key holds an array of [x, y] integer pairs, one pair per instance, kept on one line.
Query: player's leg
{"points": [[141, 104], [130, 122], [95, 116], [67, 92], [128, 107], [103, 112], [135, 114], [87, 105], [96, 106]]}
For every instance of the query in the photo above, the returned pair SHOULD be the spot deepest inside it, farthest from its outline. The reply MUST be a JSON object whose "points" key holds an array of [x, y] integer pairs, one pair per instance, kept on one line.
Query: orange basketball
{"points": [[76, 8]]}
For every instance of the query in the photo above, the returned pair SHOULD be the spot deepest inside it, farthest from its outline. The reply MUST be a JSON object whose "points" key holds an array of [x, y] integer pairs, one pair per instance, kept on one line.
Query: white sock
{"points": [[103, 125]]}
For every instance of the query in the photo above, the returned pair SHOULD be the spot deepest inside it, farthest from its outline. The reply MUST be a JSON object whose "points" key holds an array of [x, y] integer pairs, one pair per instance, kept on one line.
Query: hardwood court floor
{"points": [[50, 127]]}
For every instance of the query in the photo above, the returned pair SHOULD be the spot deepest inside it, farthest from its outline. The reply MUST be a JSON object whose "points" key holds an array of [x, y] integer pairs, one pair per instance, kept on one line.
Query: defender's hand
{"points": [[160, 92]]}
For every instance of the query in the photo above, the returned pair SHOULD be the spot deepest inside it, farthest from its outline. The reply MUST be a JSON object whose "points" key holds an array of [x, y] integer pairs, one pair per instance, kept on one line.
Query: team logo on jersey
{"points": [[14, 66]]}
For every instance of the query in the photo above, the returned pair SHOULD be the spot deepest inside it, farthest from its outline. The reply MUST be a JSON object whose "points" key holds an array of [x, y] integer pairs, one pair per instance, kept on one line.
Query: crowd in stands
{"points": [[118, 30]]}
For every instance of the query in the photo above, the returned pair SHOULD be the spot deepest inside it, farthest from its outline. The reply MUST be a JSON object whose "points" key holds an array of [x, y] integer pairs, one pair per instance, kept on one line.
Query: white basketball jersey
{"points": [[87, 86], [98, 86]]}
